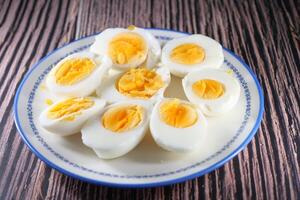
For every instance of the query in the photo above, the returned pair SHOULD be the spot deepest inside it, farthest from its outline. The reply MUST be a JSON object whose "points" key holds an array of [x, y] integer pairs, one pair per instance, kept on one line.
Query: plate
{"points": [[147, 165]]}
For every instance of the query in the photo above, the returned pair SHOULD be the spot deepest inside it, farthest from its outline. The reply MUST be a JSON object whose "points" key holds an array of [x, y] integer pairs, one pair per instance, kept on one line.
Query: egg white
{"points": [[214, 56], [177, 139], [64, 128], [101, 44], [109, 92], [108, 144], [84, 87], [213, 107]]}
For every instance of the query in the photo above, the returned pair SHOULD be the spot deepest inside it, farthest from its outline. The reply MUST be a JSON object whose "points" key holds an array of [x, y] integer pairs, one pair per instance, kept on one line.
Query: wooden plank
{"points": [[266, 35]]}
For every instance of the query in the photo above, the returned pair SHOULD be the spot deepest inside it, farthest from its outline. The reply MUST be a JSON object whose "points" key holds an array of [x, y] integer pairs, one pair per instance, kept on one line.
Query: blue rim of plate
{"points": [[155, 184]]}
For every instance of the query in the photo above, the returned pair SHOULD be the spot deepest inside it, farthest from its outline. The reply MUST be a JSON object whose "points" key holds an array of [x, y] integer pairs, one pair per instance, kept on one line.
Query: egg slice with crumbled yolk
{"points": [[70, 108], [77, 75], [127, 47], [183, 55], [188, 54], [66, 117], [74, 70], [215, 91], [123, 118], [139, 82], [177, 125], [177, 114], [208, 88], [118, 129]]}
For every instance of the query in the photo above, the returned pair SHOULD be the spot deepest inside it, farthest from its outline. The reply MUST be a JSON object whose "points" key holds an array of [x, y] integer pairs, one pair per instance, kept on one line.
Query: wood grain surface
{"points": [[266, 34]]}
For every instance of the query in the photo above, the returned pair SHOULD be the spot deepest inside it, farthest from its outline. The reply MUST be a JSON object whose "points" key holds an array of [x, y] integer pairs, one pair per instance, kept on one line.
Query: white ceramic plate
{"points": [[147, 165]]}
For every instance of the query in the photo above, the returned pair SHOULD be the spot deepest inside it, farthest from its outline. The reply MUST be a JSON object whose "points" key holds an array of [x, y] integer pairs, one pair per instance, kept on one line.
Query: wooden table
{"points": [[266, 34]]}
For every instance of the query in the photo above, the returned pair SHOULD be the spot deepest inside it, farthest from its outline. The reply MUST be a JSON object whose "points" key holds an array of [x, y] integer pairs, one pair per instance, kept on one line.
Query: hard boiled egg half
{"points": [[191, 53], [215, 91], [177, 125], [141, 84], [67, 117], [78, 75], [117, 129], [128, 48]]}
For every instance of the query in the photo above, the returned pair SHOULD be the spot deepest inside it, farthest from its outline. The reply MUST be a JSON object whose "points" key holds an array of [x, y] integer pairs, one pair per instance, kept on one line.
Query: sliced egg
{"points": [[213, 90], [117, 129], [128, 48], [78, 75], [67, 117], [135, 84], [191, 53], [177, 125]]}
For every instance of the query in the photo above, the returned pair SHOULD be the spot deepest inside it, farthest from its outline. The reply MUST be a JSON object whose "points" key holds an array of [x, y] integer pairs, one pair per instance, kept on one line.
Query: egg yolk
{"points": [[208, 89], [122, 118], [188, 54], [140, 83], [74, 70], [177, 114], [125, 48], [70, 108]]}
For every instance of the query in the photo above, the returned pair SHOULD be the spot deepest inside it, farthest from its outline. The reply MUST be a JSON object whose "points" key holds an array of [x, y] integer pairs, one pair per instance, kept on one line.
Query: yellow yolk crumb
{"points": [[94, 94], [123, 118], [43, 87], [48, 102], [74, 70], [127, 47], [70, 108], [229, 71], [131, 27], [208, 89], [177, 114], [140, 83], [188, 54]]}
